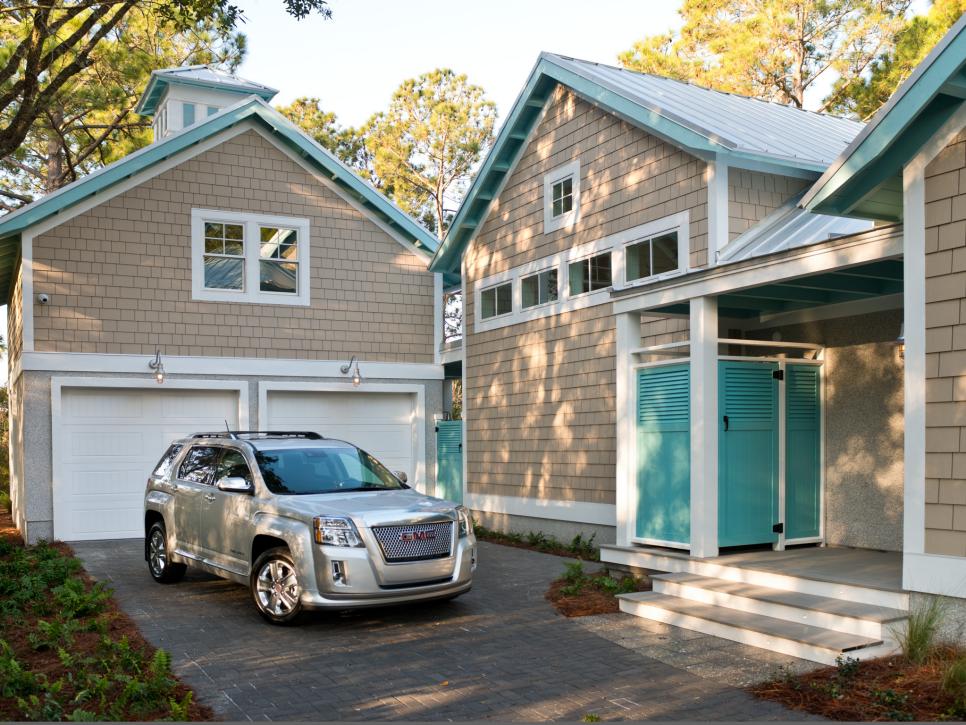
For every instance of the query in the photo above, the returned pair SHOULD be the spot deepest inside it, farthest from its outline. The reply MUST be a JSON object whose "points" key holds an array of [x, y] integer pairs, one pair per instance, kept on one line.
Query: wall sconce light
{"points": [[157, 366], [356, 376], [901, 341]]}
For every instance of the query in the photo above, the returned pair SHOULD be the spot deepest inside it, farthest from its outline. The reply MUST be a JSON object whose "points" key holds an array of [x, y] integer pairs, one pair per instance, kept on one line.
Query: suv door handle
{"points": [[209, 497]]}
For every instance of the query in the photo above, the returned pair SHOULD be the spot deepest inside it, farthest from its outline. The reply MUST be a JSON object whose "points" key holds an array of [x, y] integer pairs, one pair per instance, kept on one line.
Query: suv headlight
{"points": [[336, 531], [466, 523]]}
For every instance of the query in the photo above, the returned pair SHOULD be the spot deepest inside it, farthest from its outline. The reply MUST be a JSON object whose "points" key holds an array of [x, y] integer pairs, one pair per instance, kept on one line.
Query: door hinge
{"points": [[778, 374], [778, 528]]}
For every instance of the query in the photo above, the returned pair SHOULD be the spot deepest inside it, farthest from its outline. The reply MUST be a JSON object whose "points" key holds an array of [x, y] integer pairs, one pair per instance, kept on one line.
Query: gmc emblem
{"points": [[417, 536]]}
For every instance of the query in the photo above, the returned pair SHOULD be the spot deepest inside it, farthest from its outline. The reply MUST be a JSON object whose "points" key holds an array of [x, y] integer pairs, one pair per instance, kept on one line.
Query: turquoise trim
{"points": [[861, 182], [187, 114], [12, 225], [212, 110], [160, 80]]}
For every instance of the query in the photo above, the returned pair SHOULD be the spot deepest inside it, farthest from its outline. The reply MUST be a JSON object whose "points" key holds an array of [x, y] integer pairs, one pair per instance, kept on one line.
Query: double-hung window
{"points": [[652, 257], [238, 257], [591, 274], [496, 301], [540, 288]]}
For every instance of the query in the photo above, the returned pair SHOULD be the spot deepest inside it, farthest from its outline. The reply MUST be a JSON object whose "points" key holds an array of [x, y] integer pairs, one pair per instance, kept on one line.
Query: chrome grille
{"points": [[415, 542]]}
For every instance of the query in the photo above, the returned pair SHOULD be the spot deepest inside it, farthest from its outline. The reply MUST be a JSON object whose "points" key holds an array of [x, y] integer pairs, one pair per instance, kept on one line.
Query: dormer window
{"points": [[561, 197]]}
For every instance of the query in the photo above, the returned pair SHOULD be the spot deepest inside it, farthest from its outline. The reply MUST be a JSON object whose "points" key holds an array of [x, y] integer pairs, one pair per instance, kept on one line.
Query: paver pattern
{"points": [[498, 652]]}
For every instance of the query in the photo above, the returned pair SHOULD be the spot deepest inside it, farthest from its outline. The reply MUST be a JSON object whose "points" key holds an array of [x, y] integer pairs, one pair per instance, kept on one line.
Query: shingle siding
{"points": [[946, 351], [753, 195], [119, 275], [15, 316]]}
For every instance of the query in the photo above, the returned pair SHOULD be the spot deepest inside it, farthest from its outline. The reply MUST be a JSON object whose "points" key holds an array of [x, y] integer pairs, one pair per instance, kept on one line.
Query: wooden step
{"points": [[867, 620], [805, 641]]}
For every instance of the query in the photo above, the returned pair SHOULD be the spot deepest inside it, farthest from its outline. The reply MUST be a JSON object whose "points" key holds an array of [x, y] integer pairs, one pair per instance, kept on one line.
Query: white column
{"points": [[628, 338], [914, 329], [704, 427], [438, 311], [717, 177]]}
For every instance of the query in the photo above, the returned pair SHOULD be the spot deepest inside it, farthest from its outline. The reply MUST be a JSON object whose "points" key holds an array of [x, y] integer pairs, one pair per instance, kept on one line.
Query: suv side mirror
{"points": [[234, 484], [401, 475]]}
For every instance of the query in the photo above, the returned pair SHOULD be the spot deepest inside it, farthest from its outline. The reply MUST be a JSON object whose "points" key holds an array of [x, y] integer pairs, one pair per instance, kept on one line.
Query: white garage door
{"points": [[381, 423], [107, 441]]}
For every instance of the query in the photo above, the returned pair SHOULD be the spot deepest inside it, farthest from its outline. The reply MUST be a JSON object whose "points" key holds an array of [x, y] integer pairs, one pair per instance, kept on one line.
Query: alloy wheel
{"points": [[157, 553], [277, 587]]}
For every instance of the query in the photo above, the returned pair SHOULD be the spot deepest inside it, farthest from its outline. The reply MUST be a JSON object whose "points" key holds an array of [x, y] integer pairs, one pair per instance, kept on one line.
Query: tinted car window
{"points": [[199, 464], [233, 465], [323, 470], [164, 465]]}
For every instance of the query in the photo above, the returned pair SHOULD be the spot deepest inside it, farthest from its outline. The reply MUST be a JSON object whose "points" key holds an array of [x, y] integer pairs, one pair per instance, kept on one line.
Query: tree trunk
{"points": [[55, 153]]}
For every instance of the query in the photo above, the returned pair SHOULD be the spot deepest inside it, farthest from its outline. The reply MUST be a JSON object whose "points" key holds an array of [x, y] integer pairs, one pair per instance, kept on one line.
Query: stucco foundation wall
{"points": [[37, 487], [564, 531], [119, 275], [863, 375], [946, 351], [15, 451]]}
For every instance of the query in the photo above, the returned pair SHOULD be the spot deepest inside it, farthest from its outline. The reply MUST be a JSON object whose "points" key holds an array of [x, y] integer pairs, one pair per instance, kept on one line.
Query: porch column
{"points": [[704, 426], [628, 338]]}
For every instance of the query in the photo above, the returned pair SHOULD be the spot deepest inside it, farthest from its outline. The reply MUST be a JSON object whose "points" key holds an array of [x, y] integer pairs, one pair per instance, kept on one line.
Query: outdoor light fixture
{"points": [[356, 376], [901, 341], [157, 366]]}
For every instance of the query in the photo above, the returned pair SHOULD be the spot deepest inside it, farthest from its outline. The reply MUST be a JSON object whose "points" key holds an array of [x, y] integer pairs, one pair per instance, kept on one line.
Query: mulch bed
{"points": [[886, 689], [591, 600], [585, 550], [47, 661]]}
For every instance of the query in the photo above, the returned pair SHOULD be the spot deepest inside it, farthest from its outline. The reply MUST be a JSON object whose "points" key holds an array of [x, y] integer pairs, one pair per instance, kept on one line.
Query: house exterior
{"points": [[276, 289], [724, 336]]}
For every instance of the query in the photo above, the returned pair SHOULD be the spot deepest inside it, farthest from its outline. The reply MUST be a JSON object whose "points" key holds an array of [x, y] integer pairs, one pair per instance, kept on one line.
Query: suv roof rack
{"points": [[249, 434]]}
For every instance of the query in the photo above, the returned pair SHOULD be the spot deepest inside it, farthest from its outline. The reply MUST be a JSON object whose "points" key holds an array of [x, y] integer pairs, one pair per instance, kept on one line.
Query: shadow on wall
{"points": [[863, 427]]}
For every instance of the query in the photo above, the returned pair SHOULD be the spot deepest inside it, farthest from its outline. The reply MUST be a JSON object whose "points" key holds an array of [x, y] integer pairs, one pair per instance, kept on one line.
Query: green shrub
{"points": [[5, 503], [918, 639], [954, 684], [584, 548]]}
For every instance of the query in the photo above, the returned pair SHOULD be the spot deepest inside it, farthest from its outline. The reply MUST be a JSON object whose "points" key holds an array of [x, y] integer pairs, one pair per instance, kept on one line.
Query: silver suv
{"points": [[304, 521]]}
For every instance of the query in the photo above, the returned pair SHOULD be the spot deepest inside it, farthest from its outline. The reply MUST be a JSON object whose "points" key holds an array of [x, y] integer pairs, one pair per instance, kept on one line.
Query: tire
{"points": [[163, 570], [275, 586]]}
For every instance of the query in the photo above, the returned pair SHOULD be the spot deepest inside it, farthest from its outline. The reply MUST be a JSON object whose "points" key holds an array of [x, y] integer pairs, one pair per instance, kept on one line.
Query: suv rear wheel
{"points": [[161, 567], [275, 586]]}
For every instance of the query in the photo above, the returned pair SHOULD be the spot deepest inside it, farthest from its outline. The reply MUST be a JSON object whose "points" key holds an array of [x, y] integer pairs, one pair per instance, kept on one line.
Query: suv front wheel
{"points": [[275, 586], [162, 569]]}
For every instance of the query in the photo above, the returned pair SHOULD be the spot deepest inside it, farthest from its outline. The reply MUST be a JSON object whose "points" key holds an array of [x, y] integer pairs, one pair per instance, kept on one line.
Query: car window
{"points": [[167, 460], [323, 470], [199, 464], [233, 464]]}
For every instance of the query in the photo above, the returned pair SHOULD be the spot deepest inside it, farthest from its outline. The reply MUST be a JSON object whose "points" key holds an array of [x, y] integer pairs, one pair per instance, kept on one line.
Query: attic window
{"points": [[561, 197]]}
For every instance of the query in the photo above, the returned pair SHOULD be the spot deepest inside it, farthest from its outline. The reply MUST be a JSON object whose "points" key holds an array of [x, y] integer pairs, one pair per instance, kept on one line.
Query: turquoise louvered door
{"points": [[803, 450], [449, 459], [747, 453], [664, 454]]}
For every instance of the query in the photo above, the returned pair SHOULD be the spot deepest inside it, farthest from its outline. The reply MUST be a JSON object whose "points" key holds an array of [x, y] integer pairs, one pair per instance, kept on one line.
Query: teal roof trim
{"points": [[865, 181], [14, 224], [161, 79], [580, 76]]}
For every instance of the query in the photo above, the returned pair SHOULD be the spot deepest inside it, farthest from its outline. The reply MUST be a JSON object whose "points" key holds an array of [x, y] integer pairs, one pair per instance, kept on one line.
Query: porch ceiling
{"points": [[851, 284]]}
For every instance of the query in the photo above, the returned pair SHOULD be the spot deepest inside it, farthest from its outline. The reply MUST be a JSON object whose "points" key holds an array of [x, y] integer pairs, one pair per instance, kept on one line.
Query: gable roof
{"points": [[866, 179], [250, 109], [709, 124], [202, 76]]}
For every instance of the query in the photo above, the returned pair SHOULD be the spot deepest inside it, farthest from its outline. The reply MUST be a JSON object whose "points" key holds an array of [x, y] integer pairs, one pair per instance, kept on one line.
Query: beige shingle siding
{"points": [[946, 351], [15, 316], [753, 195], [119, 275]]}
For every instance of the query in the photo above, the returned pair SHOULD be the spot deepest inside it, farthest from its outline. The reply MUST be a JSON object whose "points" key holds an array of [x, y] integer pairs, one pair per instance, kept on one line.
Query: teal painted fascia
{"points": [[896, 134], [254, 109], [159, 82]]}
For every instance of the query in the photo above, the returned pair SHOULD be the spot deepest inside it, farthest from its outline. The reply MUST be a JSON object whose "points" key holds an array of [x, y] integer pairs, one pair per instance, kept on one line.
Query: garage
{"points": [[107, 441], [382, 423]]}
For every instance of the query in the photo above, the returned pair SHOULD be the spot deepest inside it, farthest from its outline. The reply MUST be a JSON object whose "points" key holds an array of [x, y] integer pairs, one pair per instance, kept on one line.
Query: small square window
{"points": [[590, 275], [224, 257], [496, 301], [563, 196], [540, 288], [652, 257]]}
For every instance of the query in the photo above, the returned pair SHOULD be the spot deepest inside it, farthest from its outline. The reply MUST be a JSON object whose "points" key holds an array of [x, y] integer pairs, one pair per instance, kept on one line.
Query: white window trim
{"points": [[513, 302], [568, 219], [251, 293], [518, 304], [615, 243]]}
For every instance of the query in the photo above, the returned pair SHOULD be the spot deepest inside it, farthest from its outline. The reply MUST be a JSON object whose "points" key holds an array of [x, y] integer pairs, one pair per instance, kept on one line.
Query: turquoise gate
{"points": [[449, 460]]}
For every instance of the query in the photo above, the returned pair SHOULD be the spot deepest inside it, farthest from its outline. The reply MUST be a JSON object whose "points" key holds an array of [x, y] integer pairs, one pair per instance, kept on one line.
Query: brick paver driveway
{"points": [[498, 652]]}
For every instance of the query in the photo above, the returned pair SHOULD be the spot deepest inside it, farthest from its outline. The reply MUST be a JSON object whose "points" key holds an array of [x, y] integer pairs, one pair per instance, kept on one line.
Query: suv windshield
{"points": [[323, 470]]}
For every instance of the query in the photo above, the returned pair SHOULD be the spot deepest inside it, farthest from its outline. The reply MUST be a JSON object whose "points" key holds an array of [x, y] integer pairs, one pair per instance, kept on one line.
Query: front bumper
{"points": [[370, 582]]}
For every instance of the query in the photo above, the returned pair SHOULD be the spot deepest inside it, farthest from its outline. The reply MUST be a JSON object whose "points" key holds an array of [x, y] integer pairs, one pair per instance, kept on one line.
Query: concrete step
{"points": [[778, 635], [859, 618]]}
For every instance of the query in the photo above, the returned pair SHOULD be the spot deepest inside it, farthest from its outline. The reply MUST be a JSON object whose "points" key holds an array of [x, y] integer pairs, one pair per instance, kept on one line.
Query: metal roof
{"points": [[203, 76], [865, 180], [737, 122], [789, 227], [742, 132]]}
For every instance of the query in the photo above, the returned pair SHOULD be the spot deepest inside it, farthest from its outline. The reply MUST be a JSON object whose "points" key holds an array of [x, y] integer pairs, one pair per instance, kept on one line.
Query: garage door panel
{"points": [[105, 452]]}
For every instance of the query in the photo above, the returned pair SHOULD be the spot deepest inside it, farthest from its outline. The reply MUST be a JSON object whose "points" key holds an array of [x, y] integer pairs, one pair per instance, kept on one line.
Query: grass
{"points": [[579, 594], [68, 653], [918, 638], [580, 547]]}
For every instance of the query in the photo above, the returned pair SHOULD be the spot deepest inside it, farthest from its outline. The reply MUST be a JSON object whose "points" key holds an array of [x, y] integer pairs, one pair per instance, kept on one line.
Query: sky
{"points": [[355, 61]]}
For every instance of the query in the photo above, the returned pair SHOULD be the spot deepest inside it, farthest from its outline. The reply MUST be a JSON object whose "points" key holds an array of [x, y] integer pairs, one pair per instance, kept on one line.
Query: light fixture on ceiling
{"points": [[356, 376], [157, 366]]}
